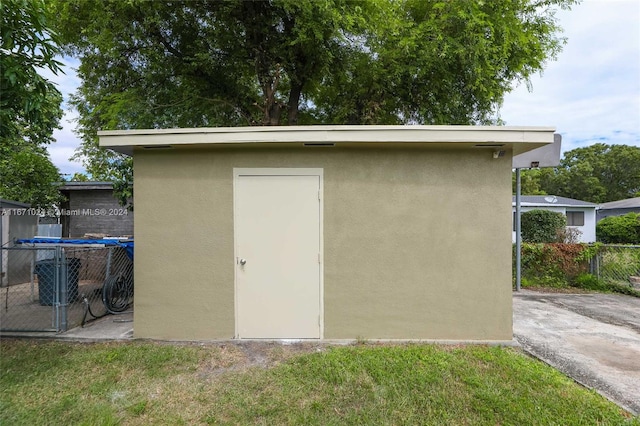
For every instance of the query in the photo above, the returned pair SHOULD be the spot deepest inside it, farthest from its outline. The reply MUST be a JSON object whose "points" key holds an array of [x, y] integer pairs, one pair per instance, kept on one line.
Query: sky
{"points": [[590, 93]]}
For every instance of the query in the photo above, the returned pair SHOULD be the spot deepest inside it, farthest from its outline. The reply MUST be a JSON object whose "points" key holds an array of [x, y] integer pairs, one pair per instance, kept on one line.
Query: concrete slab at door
{"points": [[277, 229]]}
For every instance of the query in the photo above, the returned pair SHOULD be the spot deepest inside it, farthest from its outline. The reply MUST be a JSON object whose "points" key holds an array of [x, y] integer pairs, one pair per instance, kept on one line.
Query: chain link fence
{"points": [[617, 264], [58, 288]]}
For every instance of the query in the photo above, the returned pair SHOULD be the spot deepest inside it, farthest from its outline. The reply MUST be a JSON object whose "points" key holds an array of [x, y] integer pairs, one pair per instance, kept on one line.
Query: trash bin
{"points": [[46, 271]]}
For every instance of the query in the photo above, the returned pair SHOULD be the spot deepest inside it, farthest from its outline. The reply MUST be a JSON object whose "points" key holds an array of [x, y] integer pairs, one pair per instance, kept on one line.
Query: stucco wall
{"points": [[416, 241]]}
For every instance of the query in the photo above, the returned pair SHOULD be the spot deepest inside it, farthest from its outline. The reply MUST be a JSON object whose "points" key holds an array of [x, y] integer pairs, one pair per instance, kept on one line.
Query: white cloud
{"points": [[65, 145], [66, 142], [592, 92]]}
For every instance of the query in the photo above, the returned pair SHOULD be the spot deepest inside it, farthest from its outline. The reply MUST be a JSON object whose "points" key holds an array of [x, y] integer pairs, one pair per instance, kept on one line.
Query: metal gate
{"points": [[58, 288]]}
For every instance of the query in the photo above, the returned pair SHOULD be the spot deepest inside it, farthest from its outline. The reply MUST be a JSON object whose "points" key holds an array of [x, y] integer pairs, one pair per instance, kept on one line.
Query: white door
{"points": [[278, 271]]}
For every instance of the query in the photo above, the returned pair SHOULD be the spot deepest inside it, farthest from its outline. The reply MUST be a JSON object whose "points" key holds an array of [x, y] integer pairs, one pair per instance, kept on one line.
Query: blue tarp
{"points": [[127, 245]]}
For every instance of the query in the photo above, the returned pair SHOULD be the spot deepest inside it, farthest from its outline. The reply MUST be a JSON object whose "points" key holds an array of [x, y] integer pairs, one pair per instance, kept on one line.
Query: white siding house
{"points": [[581, 215]]}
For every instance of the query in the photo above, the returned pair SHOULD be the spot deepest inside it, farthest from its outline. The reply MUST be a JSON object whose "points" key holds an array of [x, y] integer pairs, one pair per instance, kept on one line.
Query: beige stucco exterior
{"points": [[417, 239]]}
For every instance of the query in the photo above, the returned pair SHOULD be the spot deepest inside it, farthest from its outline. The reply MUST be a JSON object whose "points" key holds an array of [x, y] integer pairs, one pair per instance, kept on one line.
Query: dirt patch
{"points": [[244, 355], [241, 356]]}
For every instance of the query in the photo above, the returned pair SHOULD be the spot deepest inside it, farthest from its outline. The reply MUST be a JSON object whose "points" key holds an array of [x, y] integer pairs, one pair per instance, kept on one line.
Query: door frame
{"points": [[275, 171]]}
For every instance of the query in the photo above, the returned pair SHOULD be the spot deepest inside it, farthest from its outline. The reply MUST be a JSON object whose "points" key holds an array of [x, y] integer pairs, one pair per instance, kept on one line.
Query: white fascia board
{"points": [[570, 206], [525, 138]]}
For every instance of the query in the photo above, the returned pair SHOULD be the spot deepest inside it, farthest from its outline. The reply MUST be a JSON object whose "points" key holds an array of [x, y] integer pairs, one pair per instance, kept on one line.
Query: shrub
{"points": [[590, 282], [538, 268], [568, 235], [558, 265], [619, 229], [542, 226], [555, 265], [623, 289]]}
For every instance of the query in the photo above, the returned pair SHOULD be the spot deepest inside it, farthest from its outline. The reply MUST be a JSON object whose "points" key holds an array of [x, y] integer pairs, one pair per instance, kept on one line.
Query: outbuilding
{"points": [[324, 232], [91, 209]]}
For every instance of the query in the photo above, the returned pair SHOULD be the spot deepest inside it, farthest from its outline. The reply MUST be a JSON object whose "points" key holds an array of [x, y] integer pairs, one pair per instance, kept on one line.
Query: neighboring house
{"points": [[17, 220], [92, 209], [581, 215], [324, 232], [618, 208]]}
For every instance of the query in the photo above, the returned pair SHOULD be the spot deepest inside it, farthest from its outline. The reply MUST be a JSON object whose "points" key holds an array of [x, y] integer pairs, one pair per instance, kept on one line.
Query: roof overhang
{"points": [[498, 138], [13, 204], [85, 186], [568, 206], [629, 203]]}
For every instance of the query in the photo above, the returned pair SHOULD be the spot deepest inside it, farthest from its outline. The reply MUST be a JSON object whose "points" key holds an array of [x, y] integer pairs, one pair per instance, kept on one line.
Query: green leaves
{"points": [[619, 229], [598, 173], [202, 63], [29, 104], [542, 226], [27, 175], [440, 62], [284, 62]]}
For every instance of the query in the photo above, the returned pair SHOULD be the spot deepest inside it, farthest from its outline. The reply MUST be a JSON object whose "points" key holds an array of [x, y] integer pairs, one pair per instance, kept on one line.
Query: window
{"points": [[575, 218]]}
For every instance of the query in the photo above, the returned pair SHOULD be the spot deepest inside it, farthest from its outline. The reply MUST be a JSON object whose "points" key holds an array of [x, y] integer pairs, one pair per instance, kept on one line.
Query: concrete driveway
{"points": [[593, 338]]}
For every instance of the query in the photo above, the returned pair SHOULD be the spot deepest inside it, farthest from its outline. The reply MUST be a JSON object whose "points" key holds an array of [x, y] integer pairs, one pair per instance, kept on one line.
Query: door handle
{"points": [[242, 261]]}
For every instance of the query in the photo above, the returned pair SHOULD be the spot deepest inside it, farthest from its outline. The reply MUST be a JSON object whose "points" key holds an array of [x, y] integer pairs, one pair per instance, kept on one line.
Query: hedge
{"points": [[619, 229]]}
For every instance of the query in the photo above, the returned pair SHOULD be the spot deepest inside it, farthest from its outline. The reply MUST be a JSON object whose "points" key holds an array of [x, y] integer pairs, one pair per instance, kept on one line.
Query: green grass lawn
{"points": [[46, 382]]}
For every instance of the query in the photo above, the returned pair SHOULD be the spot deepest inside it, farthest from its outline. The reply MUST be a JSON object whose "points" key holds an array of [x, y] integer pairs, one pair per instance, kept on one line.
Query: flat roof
{"points": [[517, 139], [84, 186]]}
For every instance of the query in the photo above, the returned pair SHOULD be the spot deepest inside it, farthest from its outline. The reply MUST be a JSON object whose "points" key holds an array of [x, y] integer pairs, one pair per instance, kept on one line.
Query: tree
{"points": [[530, 181], [79, 177], [283, 62], [598, 173], [542, 226], [29, 104], [29, 176]]}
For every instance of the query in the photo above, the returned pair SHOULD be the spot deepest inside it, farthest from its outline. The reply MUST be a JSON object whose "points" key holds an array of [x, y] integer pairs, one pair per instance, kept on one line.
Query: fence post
{"points": [[2, 273], [108, 267], [56, 288], [31, 274], [61, 293], [518, 233]]}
